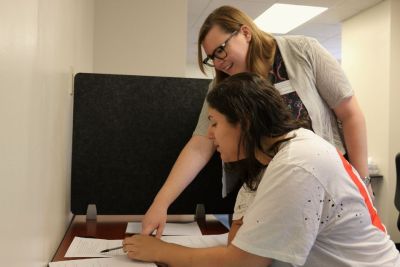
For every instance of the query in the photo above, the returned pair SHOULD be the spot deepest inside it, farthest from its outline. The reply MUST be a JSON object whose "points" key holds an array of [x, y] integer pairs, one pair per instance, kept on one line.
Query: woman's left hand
{"points": [[143, 247]]}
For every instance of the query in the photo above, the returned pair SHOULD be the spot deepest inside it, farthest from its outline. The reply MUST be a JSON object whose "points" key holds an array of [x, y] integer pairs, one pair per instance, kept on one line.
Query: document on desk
{"points": [[116, 261], [203, 241], [91, 247], [184, 228]]}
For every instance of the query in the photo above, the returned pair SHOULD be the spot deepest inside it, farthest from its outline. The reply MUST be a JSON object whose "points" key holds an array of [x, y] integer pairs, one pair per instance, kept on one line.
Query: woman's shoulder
{"points": [[296, 39], [295, 42], [305, 146], [306, 156]]}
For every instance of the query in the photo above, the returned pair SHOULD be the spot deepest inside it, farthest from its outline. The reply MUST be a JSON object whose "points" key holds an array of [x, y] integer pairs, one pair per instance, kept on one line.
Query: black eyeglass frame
{"points": [[222, 46]]}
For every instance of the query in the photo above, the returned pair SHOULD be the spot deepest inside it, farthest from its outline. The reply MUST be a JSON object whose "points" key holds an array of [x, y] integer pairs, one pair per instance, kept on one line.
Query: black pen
{"points": [[111, 249]]}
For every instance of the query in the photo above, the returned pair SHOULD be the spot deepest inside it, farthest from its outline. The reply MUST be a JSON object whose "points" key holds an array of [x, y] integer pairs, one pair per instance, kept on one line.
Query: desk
{"points": [[114, 226], [376, 176]]}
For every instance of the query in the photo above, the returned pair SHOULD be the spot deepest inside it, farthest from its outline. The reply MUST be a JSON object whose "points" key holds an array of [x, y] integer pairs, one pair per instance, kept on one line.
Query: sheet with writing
{"points": [[198, 241], [185, 228], [115, 261], [91, 247]]}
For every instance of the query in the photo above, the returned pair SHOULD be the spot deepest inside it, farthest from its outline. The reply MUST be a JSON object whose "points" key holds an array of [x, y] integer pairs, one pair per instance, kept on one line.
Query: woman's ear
{"points": [[246, 31]]}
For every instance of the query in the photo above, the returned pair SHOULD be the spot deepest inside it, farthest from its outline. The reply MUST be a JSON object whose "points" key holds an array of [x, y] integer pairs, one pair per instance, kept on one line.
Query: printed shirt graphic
{"points": [[277, 76]]}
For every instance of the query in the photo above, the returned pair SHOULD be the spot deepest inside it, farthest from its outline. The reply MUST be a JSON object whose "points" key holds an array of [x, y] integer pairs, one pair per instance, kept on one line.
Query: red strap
{"points": [[359, 183]]}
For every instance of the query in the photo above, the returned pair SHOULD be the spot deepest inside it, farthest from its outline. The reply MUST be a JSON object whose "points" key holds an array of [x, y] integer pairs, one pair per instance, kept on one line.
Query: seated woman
{"points": [[310, 208]]}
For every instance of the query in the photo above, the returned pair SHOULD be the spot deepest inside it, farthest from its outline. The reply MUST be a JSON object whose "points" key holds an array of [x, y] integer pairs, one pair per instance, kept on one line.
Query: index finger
{"points": [[160, 230], [148, 230]]}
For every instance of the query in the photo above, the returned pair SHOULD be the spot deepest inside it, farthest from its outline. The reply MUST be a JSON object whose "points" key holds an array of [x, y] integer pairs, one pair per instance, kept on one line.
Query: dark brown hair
{"points": [[253, 103]]}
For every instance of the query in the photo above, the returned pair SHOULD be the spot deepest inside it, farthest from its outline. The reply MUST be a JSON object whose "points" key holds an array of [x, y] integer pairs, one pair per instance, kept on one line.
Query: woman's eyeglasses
{"points": [[219, 52]]}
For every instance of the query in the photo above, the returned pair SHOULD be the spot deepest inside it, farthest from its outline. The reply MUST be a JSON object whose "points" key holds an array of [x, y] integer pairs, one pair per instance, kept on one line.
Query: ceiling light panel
{"points": [[282, 18]]}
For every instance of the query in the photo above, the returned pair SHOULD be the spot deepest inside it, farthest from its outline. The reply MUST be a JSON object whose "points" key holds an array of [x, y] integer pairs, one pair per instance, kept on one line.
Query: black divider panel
{"points": [[127, 133]]}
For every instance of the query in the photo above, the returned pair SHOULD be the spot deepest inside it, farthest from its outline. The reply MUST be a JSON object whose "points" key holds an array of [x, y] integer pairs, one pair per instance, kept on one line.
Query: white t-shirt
{"points": [[312, 209], [244, 198]]}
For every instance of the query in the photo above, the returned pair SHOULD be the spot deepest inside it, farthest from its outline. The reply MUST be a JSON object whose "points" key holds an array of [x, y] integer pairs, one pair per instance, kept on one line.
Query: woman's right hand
{"points": [[154, 219], [193, 157]]}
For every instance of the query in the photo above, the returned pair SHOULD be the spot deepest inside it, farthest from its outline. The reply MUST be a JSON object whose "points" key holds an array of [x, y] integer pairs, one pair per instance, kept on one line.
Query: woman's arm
{"points": [[334, 87], [355, 136], [191, 160], [150, 249]]}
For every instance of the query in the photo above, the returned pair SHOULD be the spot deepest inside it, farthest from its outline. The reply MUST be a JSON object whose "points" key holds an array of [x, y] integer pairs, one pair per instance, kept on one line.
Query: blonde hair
{"points": [[261, 47]]}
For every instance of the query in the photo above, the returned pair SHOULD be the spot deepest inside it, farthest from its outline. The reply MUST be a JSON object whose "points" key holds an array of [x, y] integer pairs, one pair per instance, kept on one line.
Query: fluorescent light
{"points": [[282, 18]]}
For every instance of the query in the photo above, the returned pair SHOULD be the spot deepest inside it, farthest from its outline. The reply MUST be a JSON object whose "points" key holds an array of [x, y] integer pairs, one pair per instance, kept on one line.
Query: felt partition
{"points": [[127, 133]]}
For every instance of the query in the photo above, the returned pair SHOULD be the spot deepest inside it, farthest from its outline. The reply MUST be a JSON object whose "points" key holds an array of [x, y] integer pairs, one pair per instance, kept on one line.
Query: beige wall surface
{"points": [[140, 37], [394, 106], [41, 43], [368, 50]]}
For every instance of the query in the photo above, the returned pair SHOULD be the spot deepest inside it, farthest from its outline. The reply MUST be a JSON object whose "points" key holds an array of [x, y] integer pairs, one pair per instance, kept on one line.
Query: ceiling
{"points": [[326, 27]]}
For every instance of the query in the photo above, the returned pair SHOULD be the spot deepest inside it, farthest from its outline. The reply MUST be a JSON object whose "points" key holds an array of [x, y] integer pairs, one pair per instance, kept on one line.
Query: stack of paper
{"points": [[203, 241], [115, 261], [191, 228], [91, 247], [187, 234]]}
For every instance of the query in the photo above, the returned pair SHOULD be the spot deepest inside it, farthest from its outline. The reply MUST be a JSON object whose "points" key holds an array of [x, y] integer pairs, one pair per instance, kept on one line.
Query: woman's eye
{"points": [[219, 51]]}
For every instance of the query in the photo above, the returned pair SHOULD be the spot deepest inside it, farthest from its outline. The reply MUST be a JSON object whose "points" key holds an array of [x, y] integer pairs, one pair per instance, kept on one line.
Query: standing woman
{"points": [[309, 79]]}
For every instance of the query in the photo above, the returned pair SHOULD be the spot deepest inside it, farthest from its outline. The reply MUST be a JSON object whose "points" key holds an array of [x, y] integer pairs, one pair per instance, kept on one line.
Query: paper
{"points": [[203, 241], [82, 263], [91, 247], [191, 229], [116, 261]]}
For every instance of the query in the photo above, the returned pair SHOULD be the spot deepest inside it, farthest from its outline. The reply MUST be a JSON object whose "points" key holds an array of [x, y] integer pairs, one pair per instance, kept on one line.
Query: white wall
{"points": [[193, 71], [40, 42], [140, 37], [367, 58]]}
